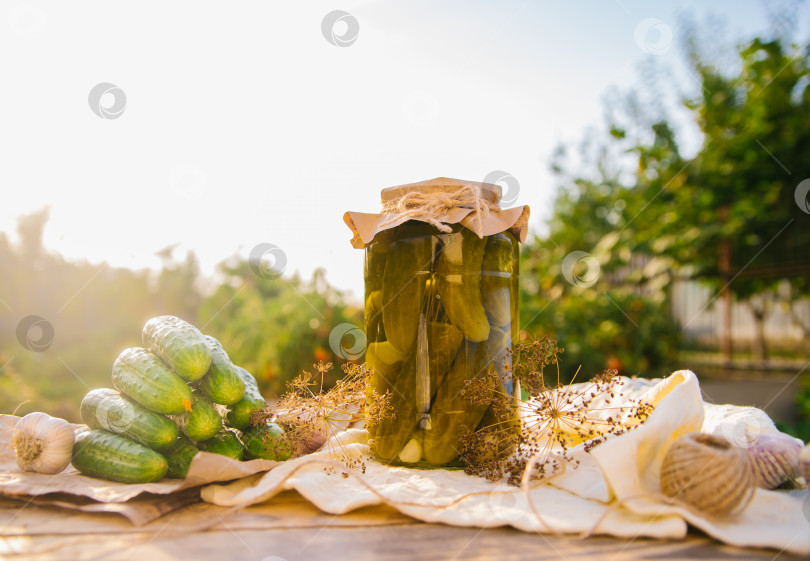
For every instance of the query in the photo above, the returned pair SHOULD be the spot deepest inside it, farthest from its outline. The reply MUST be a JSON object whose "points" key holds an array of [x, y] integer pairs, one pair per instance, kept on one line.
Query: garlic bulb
{"points": [[317, 426], [42, 443], [708, 473], [775, 458], [804, 464]]}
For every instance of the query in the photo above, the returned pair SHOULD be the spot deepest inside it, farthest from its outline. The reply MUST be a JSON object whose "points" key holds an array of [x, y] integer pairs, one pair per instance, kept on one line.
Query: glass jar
{"points": [[441, 315]]}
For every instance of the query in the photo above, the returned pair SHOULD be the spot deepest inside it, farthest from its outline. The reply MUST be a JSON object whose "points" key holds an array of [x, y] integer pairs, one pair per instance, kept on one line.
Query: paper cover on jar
{"points": [[441, 202]]}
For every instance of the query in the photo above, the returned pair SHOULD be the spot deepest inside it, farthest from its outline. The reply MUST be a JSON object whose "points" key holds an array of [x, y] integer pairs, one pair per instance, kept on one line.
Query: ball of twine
{"points": [[708, 473]]}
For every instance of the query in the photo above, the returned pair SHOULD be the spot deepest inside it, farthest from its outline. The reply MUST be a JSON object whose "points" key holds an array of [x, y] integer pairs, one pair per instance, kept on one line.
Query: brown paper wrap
{"points": [[74, 490], [447, 207]]}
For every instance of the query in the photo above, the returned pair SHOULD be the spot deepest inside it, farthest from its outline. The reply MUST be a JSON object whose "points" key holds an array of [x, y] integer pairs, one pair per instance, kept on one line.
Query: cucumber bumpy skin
{"points": [[143, 377], [179, 456], [179, 344], [202, 422], [107, 409], [102, 454], [222, 383], [226, 442], [267, 441], [239, 413]]}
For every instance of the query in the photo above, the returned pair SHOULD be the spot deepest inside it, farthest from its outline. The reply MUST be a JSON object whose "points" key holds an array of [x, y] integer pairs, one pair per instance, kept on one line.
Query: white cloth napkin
{"points": [[600, 496]]}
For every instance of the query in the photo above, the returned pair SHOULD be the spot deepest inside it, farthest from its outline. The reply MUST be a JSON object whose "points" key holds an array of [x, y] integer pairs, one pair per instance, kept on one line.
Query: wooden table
{"points": [[289, 528]]}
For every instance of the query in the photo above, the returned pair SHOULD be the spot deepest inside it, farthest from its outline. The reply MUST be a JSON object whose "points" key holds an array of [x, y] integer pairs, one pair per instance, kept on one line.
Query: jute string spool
{"points": [[709, 473]]}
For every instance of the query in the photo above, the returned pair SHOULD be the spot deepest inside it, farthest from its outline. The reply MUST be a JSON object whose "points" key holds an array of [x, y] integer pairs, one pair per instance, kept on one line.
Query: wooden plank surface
{"points": [[289, 528]]}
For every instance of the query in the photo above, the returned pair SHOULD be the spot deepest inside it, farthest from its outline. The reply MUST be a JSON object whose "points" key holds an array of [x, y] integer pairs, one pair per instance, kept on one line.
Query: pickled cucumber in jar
{"points": [[441, 313], [438, 313]]}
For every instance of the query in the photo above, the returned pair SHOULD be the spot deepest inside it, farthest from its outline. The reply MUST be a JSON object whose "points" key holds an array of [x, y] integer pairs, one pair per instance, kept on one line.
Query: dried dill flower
{"points": [[513, 433], [481, 391], [377, 408], [558, 419], [486, 452], [553, 419], [530, 361], [311, 416]]}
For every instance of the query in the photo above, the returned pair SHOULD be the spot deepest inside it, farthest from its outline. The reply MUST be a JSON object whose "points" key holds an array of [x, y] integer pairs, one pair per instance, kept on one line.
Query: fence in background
{"points": [[698, 310]]}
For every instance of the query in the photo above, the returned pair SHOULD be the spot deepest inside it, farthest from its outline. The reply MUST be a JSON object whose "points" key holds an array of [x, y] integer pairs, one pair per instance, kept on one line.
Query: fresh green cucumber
{"points": [[222, 383], [226, 442], [179, 344], [107, 409], [239, 413], [202, 422], [179, 456], [267, 441], [143, 377], [102, 454]]}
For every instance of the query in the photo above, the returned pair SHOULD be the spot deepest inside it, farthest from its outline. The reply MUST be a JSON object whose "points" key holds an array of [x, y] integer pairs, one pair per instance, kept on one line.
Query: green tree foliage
{"points": [[645, 212], [736, 197], [604, 314], [273, 327], [175, 292], [276, 327], [739, 189]]}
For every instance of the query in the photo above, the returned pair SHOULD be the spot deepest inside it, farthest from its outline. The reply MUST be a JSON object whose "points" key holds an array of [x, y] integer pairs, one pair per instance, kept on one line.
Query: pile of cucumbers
{"points": [[177, 395]]}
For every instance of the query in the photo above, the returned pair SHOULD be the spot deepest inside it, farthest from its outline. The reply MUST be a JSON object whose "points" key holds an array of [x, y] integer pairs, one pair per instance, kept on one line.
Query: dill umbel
{"points": [[540, 429], [553, 419], [310, 416]]}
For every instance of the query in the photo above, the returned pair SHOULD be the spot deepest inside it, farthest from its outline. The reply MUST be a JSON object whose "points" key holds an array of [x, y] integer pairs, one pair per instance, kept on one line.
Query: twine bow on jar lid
{"points": [[441, 202], [427, 206]]}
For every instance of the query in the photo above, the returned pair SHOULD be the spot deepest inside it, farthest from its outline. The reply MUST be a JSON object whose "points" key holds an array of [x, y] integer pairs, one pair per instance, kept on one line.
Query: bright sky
{"points": [[244, 125]]}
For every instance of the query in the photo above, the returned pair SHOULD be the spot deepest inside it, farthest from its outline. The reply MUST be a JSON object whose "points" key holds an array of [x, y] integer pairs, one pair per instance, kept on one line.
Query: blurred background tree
{"points": [[645, 214], [276, 327], [93, 310], [273, 327]]}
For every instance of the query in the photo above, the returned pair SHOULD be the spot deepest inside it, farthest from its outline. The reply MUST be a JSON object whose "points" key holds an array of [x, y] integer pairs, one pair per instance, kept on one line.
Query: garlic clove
{"points": [[411, 452], [775, 459], [708, 473], [42, 443]]}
